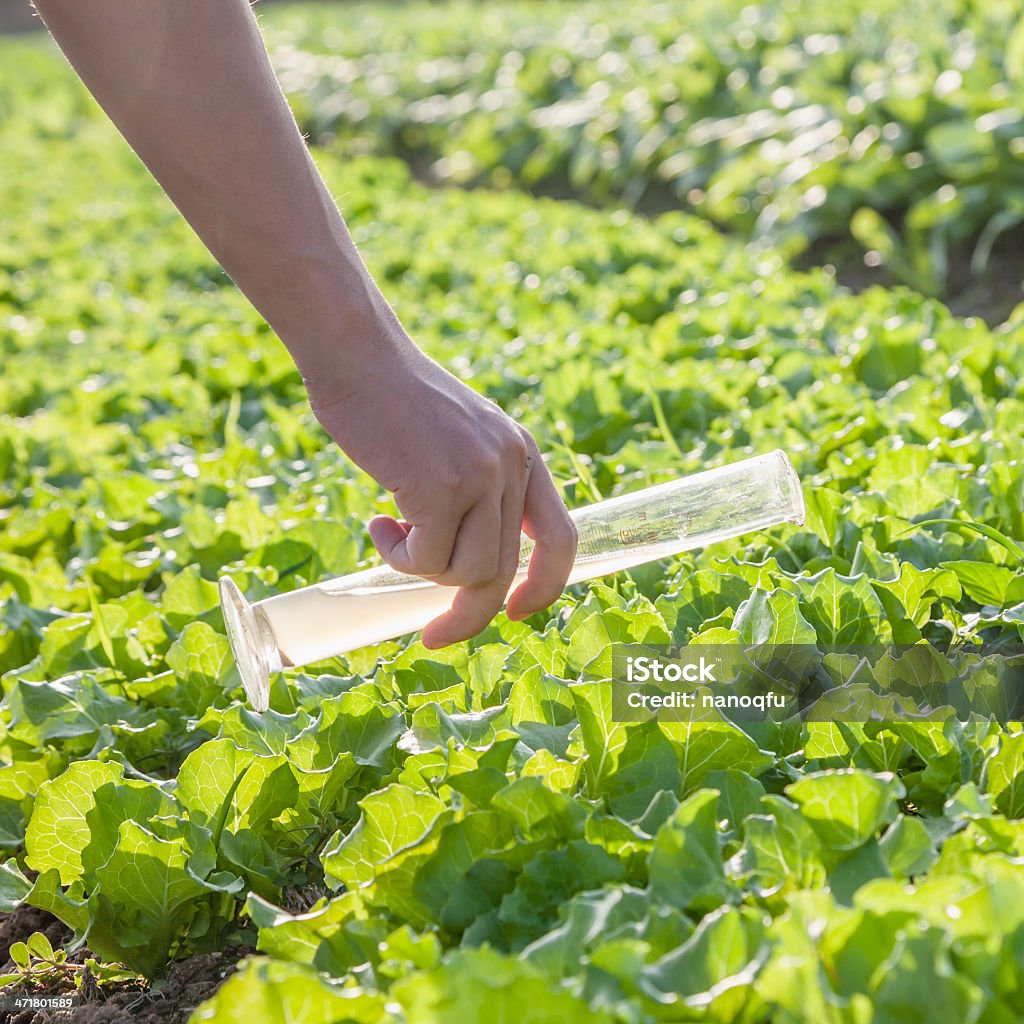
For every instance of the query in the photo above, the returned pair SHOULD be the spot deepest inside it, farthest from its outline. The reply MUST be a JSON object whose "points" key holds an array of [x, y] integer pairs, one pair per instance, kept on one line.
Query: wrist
{"points": [[346, 330], [363, 345]]}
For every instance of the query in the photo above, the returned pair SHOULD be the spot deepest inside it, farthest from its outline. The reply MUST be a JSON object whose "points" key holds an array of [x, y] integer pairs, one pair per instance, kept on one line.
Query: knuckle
{"points": [[563, 534], [475, 570], [560, 527], [427, 567], [488, 467], [494, 462], [516, 447]]}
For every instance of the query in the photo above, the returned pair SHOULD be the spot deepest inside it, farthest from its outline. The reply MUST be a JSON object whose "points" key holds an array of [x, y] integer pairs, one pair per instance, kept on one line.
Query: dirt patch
{"points": [[188, 982], [995, 292]]}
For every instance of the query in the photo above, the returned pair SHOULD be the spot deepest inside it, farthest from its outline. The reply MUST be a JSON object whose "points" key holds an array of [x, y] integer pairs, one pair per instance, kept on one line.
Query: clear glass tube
{"points": [[368, 607]]}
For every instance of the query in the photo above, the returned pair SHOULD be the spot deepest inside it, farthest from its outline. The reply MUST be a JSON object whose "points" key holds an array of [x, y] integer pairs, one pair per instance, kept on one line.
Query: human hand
{"points": [[456, 464], [465, 477]]}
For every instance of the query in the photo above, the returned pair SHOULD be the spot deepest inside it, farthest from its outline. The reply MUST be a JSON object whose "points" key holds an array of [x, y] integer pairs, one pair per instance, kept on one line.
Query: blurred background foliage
{"points": [[881, 135], [885, 136]]}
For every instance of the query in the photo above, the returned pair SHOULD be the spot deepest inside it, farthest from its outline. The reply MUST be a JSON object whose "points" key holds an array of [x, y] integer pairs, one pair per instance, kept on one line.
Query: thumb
{"points": [[387, 533]]}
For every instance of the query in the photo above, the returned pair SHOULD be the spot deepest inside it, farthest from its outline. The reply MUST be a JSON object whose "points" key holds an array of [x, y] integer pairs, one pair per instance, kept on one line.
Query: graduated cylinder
{"points": [[368, 607]]}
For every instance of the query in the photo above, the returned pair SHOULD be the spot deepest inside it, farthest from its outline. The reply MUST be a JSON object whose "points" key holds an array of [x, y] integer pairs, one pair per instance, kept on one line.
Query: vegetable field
{"points": [[414, 836], [893, 126]]}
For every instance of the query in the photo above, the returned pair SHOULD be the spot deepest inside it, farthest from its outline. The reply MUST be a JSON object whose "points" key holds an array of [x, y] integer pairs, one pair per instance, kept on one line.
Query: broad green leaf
{"points": [[772, 617], [547, 881], [590, 644], [713, 971], [202, 663], [702, 596], [479, 986], [77, 816], [908, 847], [464, 874], [14, 886], [392, 820], [537, 811], [846, 808], [685, 865], [188, 597], [781, 852], [354, 723], [333, 936], [626, 764], [820, 948], [267, 732], [69, 906], [925, 984], [1004, 772], [908, 598], [987, 583], [224, 787], [264, 989], [591, 918], [603, 739], [74, 706], [19, 782], [711, 743], [843, 610], [145, 895]]}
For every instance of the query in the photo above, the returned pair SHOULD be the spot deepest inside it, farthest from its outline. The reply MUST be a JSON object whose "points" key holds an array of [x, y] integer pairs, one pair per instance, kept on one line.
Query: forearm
{"points": [[190, 86]]}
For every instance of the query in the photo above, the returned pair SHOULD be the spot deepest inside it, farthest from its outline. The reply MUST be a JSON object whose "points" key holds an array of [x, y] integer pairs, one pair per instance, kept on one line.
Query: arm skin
{"points": [[189, 85]]}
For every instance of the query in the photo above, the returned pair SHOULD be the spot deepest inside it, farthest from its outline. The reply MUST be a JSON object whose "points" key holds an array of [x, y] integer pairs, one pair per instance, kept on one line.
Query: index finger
{"points": [[548, 523], [474, 607], [423, 549]]}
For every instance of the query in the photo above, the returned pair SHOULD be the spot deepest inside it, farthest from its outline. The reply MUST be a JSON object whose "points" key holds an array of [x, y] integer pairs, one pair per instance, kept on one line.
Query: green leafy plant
{"points": [[896, 124], [412, 835], [37, 963]]}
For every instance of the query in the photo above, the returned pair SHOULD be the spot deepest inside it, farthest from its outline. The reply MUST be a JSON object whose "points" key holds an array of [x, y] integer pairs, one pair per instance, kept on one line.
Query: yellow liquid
{"points": [[322, 621]]}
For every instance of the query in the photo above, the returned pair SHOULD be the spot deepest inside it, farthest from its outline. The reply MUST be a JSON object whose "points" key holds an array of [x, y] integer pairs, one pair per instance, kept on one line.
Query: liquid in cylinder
{"points": [[368, 607]]}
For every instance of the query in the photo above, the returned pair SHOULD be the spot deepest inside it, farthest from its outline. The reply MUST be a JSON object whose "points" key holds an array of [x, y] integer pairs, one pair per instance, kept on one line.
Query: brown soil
{"points": [[188, 982], [991, 294]]}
